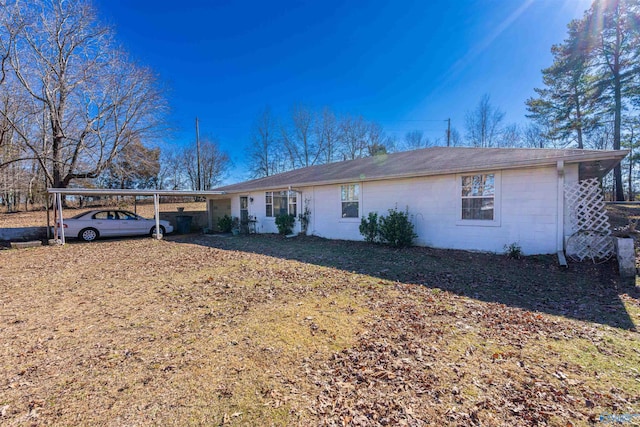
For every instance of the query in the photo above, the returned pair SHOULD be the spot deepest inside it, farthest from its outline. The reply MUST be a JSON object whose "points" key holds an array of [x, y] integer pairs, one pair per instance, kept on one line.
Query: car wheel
{"points": [[88, 234], [153, 231]]}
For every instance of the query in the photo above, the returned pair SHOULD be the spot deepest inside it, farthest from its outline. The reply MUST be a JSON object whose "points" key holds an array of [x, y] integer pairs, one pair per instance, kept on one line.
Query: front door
{"points": [[244, 210]]}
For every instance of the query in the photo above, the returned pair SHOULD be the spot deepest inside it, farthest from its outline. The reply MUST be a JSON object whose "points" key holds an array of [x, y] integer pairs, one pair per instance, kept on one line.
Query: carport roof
{"points": [[434, 161], [117, 192]]}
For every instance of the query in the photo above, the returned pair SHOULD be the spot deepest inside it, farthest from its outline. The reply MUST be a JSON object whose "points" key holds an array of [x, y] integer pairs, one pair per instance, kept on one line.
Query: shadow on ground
{"points": [[582, 291]]}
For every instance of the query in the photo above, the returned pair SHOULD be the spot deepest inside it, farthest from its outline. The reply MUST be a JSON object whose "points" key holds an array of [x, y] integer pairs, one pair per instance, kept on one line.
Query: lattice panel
{"points": [[588, 216], [592, 245]]}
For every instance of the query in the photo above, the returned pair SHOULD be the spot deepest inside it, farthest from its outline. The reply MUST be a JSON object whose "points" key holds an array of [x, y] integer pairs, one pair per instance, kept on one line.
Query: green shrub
{"points": [[225, 224], [396, 229], [513, 251], [285, 222], [369, 228]]}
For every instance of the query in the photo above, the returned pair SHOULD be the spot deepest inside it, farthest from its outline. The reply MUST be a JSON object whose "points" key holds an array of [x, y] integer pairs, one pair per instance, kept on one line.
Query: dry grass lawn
{"points": [[262, 330]]}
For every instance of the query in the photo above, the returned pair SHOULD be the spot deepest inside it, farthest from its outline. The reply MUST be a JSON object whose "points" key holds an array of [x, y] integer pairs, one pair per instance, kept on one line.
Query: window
{"points": [[126, 215], [281, 202], [105, 215], [478, 197], [268, 200], [350, 197], [293, 203]]}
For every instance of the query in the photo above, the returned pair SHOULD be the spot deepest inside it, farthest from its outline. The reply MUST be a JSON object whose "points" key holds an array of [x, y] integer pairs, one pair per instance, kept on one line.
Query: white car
{"points": [[88, 226]]}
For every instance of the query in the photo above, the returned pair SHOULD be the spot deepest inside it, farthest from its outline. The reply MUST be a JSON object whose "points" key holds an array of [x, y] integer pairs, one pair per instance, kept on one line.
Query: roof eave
{"points": [[578, 158]]}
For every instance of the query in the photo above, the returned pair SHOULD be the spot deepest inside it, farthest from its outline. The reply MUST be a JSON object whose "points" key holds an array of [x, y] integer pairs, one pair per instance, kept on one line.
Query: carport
{"points": [[59, 192]]}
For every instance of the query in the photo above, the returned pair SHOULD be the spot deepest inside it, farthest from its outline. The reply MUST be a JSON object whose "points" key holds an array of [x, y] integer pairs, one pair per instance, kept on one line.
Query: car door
{"points": [[131, 224], [106, 223]]}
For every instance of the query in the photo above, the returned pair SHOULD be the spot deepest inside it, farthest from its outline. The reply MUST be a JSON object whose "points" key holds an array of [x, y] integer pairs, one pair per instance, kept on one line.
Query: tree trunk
{"points": [[56, 148], [617, 171], [578, 118], [617, 95]]}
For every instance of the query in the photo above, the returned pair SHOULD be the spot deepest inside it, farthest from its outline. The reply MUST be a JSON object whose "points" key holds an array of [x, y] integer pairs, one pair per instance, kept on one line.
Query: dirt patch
{"points": [[621, 215]]}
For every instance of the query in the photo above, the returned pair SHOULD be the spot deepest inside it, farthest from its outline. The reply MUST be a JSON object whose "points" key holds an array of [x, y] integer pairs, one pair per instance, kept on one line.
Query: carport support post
{"points": [[156, 209], [59, 203]]}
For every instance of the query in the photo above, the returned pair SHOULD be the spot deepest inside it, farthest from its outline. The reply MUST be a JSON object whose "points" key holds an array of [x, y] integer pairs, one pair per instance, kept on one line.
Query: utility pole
{"points": [[449, 132], [199, 184]]}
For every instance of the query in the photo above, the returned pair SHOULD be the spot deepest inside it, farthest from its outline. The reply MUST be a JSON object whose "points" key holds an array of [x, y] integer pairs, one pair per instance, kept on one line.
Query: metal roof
{"points": [[434, 161]]}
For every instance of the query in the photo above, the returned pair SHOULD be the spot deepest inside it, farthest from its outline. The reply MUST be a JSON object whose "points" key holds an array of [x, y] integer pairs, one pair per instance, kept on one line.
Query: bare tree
{"points": [[416, 139], [170, 175], [455, 138], [263, 151], [135, 166], [511, 137], [19, 178], [214, 164], [378, 142], [7, 35], [483, 124], [534, 135], [327, 134], [95, 101], [353, 137], [299, 139]]}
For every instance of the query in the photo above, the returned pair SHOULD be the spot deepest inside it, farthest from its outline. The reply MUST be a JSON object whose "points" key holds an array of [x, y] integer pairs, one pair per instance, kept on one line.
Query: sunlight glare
{"points": [[577, 7]]}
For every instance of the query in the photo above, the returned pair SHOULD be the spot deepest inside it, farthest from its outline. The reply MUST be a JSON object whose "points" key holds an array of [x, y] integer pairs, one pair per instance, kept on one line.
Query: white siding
{"points": [[526, 209], [257, 208]]}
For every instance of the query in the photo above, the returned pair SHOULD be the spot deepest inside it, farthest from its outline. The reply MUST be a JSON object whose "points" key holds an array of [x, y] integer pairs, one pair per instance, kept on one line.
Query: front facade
{"points": [[483, 208]]}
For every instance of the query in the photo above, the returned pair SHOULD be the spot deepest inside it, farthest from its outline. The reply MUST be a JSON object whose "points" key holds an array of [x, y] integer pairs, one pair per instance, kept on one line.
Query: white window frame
{"points": [[358, 200], [497, 201], [290, 195], [268, 194], [292, 202]]}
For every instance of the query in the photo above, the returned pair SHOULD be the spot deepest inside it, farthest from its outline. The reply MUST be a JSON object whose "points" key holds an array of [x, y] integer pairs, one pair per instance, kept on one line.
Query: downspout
{"points": [[560, 215]]}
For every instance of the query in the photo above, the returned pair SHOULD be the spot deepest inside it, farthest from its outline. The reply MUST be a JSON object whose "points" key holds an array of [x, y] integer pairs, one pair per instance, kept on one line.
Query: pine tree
{"points": [[612, 42], [566, 105], [595, 76]]}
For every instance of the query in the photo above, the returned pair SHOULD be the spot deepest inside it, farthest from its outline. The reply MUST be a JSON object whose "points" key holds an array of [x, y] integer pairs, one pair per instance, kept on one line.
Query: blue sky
{"points": [[405, 64]]}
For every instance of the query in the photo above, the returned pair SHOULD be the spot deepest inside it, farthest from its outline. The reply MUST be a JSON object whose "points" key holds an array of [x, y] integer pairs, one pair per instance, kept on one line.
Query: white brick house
{"points": [[459, 198]]}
